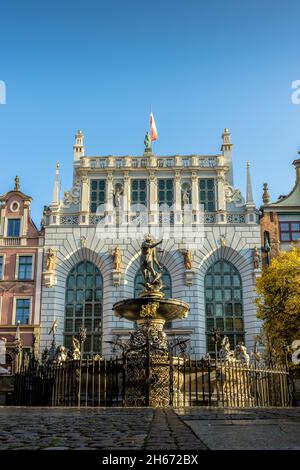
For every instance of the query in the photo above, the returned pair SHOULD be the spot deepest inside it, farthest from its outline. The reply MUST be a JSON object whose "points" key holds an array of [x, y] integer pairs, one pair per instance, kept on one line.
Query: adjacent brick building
{"points": [[280, 220], [21, 257]]}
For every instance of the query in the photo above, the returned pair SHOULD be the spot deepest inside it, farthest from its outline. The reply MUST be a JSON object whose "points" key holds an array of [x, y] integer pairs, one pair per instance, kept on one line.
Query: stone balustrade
{"points": [[151, 161], [234, 218]]}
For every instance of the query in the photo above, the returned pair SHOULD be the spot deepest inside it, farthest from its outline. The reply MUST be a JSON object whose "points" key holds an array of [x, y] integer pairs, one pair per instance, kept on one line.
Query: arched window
{"points": [[166, 279], [224, 303], [167, 287], [84, 292]]}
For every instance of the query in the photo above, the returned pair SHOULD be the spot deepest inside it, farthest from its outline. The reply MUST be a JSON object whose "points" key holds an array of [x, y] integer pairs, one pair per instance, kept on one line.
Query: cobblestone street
{"points": [[105, 428], [149, 429]]}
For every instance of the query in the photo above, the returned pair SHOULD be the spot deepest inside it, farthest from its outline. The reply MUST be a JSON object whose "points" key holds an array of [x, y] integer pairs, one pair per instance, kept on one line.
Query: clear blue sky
{"points": [[98, 66]]}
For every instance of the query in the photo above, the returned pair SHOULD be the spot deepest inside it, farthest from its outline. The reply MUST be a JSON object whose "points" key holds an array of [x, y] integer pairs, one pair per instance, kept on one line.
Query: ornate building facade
{"points": [[280, 220], [21, 259], [93, 234]]}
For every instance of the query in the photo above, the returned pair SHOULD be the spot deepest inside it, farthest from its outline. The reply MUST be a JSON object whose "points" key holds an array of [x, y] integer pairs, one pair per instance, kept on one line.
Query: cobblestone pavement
{"points": [[253, 428], [90, 428], [148, 429]]}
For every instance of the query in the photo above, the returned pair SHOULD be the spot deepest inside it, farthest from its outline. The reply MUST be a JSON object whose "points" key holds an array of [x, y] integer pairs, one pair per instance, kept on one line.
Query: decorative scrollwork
{"points": [[73, 195], [69, 220], [235, 218], [149, 310]]}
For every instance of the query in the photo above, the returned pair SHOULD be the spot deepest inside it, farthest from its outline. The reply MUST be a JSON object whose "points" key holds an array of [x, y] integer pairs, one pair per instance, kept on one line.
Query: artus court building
{"points": [[93, 236]]}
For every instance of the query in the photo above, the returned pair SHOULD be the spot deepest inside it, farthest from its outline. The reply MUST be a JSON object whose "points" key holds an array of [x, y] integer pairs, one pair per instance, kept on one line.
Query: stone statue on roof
{"points": [[148, 142], [17, 183]]}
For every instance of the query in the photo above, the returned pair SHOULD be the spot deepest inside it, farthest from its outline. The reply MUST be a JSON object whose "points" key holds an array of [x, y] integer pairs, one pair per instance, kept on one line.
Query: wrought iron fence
{"points": [[189, 382], [223, 383]]}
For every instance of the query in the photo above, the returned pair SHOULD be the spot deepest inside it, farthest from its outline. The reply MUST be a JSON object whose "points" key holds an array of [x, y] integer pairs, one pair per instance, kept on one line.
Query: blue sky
{"points": [[99, 66]]}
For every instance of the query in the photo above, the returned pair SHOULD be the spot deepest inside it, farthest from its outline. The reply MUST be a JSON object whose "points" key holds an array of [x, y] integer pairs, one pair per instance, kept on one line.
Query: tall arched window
{"points": [[84, 293], [224, 303], [167, 289]]}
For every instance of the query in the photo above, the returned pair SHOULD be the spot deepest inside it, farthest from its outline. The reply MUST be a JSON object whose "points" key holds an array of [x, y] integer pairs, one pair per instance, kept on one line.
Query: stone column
{"points": [[153, 192], [177, 201], [25, 220], [126, 199], [153, 205], [127, 192], [220, 199], [85, 199], [195, 192], [109, 192]]}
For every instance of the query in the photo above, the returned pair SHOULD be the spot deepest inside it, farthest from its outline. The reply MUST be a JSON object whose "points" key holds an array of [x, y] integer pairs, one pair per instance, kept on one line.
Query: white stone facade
{"points": [[229, 232]]}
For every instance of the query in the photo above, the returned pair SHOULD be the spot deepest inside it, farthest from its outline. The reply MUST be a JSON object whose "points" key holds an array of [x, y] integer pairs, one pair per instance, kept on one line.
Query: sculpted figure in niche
{"points": [[117, 259], [185, 196], [256, 258], [188, 259], [118, 192], [50, 260]]}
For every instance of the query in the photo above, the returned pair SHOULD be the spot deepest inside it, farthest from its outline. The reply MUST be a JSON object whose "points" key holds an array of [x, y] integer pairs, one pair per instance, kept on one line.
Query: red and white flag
{"points": [[153, 128]]}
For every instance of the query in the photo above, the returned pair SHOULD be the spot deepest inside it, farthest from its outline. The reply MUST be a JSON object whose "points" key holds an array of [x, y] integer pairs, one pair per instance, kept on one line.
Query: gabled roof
{"points": [[291, 200], [7, 195]]}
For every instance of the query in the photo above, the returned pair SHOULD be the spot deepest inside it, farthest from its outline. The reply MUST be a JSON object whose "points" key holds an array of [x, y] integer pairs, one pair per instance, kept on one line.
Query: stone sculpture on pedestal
{"points": [[147, 351]]}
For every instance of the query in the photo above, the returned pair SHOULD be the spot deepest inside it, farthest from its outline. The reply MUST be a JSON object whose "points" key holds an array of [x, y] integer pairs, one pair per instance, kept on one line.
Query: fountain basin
{"points": [[168, 309]]}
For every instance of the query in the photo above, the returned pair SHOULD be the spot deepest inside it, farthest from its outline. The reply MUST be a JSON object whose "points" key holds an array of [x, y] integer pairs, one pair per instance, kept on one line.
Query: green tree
{"points": [[278, 303]]}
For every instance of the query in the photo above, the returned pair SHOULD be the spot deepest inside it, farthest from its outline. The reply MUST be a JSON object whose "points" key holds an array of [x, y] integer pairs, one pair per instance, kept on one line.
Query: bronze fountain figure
{"points": [[148, 350]]}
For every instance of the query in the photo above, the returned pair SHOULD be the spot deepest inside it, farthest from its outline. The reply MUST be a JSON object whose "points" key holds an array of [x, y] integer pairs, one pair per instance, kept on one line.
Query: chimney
{"points": [[296, 164]]}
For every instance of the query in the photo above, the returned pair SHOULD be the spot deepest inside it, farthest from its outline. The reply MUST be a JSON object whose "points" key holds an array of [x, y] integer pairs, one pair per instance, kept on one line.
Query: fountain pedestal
{"points": [[147, 367], [149, 374]]}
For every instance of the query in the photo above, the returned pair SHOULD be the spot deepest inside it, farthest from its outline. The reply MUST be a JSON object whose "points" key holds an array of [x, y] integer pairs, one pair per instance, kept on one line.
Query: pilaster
{"points": [[84, 203], [109, 192], [153, 198], [195, 192], [127, 192]]}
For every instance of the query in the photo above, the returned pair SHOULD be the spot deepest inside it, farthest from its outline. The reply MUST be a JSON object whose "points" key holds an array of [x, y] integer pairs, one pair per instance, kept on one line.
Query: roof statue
{"points": [[17, 183], [147, 142]]}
